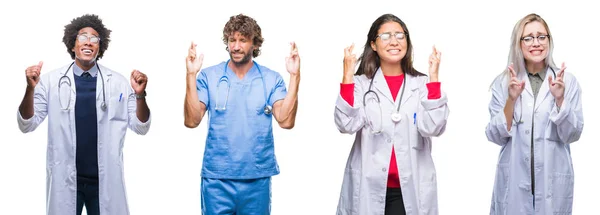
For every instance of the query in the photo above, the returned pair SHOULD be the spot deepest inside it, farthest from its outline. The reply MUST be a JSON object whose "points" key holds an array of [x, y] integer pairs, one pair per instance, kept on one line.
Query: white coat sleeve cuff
{"points": [[559, 116], [430, 104], [142, 127], [23, 123], [345, 108]]}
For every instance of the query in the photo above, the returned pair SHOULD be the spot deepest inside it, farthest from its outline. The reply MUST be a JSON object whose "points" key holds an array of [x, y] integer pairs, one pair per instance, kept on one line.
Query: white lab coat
{"points": [[553, 132], [365, 177], [61, 180]]}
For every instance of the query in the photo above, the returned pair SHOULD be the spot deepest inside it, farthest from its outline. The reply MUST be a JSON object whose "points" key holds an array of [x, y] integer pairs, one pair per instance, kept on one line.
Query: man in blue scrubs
{"points": [[241, 98]]}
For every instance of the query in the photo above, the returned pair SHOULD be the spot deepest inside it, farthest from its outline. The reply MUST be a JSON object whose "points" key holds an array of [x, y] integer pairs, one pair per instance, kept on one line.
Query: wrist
{"points": [[141, 95], [348, 79], [433, 78]]}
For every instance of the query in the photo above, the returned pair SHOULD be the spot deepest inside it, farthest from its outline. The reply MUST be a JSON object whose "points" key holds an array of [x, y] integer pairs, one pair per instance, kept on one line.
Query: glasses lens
{"points": [[385, 36], [94, 39], [400, 36], [82, 38]]}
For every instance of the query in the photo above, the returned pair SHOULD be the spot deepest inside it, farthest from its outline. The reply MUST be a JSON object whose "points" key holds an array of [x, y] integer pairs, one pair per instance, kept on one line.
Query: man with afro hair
{"points": [[241, 98], [89, 108]]}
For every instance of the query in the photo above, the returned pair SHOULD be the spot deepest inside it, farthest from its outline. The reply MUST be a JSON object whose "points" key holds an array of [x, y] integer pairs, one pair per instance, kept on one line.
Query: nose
{"points": [[393, 41], [536, 42]]}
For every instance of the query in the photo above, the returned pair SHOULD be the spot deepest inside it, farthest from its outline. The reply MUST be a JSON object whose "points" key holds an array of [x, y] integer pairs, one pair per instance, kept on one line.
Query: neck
{"points": [[240, 69], [85, 65], [391, 69], [534, 68]]}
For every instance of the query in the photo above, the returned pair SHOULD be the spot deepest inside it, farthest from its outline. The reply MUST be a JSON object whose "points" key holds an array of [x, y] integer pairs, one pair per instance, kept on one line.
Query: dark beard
{"points": [[242, 62]]}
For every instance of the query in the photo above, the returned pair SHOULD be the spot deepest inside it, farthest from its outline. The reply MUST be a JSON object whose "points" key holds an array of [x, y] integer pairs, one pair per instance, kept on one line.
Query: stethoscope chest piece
{"points": [[268, 109], [396, 117]]}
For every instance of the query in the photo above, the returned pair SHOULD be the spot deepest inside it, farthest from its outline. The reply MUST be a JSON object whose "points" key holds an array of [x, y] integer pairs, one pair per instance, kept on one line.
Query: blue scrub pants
{"points": [[236, 196]]}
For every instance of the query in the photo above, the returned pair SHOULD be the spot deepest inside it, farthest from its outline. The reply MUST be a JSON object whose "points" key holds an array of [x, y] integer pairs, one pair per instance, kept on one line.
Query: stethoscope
{"points": [[266, 110], [520, 121], [396, 116], [68, 82]]}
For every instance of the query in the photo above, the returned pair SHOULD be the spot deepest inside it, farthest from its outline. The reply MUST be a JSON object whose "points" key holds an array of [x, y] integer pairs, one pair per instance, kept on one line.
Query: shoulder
{"points": [[213, 70], [55, 73], [269, 73], [106, 71]]}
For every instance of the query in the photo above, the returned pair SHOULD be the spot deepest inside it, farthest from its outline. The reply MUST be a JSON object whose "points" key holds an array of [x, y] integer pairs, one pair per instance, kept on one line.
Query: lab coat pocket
{"points": [[561, 191], [117, 107], [349, 197], [264, 153], [428, 197], [416, 140]]}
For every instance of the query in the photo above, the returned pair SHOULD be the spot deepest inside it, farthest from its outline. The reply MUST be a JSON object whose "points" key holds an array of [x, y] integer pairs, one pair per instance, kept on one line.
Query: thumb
{"points": [[550, 81], [523, 84]]}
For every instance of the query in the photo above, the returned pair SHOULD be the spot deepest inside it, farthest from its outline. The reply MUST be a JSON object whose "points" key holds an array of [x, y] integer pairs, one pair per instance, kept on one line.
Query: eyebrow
{"points": [[538, 33]]}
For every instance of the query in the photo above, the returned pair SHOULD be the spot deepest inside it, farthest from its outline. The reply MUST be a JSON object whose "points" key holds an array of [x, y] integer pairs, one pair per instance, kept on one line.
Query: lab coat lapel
{"points": [[411, 86], [544, 90], [381, 85], [523, 77]]}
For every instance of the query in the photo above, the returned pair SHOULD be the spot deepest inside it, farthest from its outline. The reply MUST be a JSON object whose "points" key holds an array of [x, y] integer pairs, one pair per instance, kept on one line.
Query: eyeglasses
{"points": [[93, 39], [542, 39], [386, 37]]}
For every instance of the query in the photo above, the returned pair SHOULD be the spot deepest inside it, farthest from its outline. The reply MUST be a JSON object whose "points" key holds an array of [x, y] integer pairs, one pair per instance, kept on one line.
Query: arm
{"points": [[285, 110], [349, 114], [433, 115], [34, 106], [193, 108], [196, 91], [569, 119], [137, 109], [497, 130]]}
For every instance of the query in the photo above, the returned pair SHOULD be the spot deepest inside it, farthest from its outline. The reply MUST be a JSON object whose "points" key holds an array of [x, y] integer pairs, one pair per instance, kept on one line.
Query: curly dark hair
{"points": [[87, 20], [247, 27]]}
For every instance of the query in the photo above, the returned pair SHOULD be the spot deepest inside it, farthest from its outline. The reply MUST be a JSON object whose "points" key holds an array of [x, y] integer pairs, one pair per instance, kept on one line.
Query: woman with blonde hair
{"points": [[535, 114]]}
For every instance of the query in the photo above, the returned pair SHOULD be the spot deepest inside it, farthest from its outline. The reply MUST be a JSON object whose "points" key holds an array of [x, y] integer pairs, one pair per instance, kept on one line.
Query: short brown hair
{"points": [[247, 27]]}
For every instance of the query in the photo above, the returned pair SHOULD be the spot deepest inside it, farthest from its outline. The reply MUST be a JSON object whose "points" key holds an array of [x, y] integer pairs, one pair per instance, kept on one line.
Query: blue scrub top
{"points": [[239, 144]]}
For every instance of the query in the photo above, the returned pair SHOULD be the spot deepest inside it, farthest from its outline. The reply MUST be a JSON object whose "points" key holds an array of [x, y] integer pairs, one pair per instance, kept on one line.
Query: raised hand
{"points": [[292, 62], [32, 74], [515, 87], [138, 81], [193, 61], [349, 64], [557, 87], [434, 64]]}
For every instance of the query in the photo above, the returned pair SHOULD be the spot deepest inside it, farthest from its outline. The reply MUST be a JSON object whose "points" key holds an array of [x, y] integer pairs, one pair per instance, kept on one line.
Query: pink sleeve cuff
{"points": [[434, 90], [347, 92]]}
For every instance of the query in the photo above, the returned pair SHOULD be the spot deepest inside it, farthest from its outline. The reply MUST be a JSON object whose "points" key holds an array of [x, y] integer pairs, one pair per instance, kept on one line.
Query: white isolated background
{"points": [[162, 169]]}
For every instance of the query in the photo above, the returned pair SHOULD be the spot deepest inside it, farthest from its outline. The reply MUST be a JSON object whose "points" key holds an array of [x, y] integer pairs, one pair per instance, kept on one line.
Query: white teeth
{"points": [[87, 51]]}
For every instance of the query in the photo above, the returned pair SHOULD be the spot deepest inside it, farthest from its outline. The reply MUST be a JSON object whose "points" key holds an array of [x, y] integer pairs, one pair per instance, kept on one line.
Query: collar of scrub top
{"points": [[267, 109]]}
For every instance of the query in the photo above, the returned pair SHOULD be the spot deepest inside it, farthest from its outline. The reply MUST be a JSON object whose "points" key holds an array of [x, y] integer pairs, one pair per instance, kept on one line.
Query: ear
{"points": [[373, 46]]}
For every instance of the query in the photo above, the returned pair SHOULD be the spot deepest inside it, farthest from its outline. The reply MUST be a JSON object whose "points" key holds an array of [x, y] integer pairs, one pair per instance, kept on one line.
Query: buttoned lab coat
{"points": [[61, 173], [552, 132], [365, 177]]}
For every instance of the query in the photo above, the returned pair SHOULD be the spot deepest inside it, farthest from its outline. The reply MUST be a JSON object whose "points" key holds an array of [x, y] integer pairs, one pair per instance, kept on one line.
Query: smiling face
{"points": [[534, 43], [391, 43], [86, 46]]}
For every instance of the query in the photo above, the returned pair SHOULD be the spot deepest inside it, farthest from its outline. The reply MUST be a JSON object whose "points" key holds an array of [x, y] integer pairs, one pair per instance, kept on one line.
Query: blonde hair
{"points": [[515, 54]]}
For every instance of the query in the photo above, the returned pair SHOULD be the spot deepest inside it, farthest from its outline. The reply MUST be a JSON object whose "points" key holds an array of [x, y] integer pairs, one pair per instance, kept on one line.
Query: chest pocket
{"points": [[117, 99]]}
